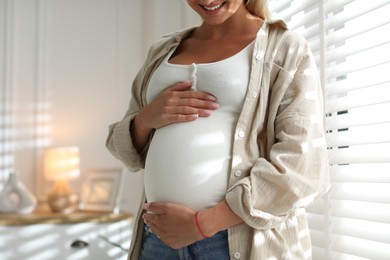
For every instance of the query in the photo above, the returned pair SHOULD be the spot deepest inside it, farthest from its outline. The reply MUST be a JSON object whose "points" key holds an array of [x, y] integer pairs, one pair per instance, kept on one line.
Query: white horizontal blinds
{"points": [[357, 73], [303, 17], [355, 60], [6, 127]]}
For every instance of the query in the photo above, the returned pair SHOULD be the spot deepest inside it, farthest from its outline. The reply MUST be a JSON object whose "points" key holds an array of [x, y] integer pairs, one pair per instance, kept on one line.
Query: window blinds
{"points": [[6, 159], [351, 43]]}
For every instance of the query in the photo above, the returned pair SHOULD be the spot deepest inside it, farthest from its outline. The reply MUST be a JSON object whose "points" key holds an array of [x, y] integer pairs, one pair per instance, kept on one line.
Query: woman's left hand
{"points": [[174, 224]]}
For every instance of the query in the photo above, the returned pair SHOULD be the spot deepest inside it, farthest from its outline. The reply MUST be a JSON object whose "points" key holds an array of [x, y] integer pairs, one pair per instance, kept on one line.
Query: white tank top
{"points": [[189, 163]]}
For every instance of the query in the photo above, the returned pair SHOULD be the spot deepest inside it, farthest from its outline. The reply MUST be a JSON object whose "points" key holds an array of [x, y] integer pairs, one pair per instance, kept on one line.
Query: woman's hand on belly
{"points": [[174, 224], [173, 105], [176, 104]]}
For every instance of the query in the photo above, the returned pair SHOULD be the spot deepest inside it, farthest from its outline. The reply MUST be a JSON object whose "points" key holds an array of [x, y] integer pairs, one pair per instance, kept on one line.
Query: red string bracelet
{"points": [[197, 224]]}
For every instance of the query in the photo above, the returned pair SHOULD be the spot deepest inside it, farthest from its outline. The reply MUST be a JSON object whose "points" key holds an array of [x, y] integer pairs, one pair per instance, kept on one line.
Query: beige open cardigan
{"points": [[279, 162]]}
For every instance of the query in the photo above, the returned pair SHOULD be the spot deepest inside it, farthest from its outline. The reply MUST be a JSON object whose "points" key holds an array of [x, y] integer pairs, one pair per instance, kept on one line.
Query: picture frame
{"points": [[101, 190]]}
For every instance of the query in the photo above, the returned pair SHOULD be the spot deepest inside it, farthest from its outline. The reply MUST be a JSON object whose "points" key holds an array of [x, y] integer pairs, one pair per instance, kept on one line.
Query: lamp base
{"points": [[63, 203], [62, 199]]}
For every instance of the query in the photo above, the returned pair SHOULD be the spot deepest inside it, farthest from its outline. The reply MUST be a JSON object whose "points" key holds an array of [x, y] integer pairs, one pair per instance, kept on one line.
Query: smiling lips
{"points": [[213, 8]]}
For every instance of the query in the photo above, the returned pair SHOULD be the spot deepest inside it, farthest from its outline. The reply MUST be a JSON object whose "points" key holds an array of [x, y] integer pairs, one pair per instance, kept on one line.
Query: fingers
{"points": [[185, 112], [194, 100], [154, 210], [148, 219], [176, 105], [152, 220], [175, 227], [189, 105], [180, 87], [154, 207]]}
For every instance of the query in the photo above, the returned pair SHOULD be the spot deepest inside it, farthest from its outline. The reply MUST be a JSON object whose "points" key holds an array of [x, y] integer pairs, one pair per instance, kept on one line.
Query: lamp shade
{"points": [[61, 163]]}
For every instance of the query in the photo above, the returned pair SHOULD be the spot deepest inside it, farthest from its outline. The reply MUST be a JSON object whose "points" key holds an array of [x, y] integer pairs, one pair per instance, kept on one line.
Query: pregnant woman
{"points": [[226, 122]]}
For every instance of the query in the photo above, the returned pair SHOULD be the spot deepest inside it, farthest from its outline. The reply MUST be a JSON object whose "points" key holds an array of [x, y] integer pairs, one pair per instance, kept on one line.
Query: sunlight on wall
{"points": [[24, 115], [23, 132], [6, 145]]}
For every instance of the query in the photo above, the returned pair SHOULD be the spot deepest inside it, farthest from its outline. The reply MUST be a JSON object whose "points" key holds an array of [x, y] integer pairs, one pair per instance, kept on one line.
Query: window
{"points": [[6, 159], [351, 43]]}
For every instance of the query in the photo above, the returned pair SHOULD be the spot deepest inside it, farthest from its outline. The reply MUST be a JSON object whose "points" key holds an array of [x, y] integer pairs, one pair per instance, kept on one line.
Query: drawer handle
{"points": [[79, 244]]}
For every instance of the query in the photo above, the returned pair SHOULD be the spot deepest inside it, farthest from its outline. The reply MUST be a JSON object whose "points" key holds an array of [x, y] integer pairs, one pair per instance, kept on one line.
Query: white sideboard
{"points": [[80, 235]]}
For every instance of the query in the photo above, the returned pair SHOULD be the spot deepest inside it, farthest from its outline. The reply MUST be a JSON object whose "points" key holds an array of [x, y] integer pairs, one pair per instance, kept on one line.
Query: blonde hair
{"points": [[258, 8]]}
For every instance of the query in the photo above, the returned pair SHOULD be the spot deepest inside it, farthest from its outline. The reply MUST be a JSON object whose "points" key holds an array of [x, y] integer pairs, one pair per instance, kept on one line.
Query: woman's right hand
{"points": [[175, 104]]}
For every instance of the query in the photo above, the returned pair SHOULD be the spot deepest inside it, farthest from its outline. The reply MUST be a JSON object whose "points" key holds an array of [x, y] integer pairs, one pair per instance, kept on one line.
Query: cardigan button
{"points": [[237, 255], [237, 173]]}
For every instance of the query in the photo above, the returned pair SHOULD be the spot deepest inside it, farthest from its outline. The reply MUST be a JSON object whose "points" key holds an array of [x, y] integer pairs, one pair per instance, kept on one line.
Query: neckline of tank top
{"points": [[245, 49]]}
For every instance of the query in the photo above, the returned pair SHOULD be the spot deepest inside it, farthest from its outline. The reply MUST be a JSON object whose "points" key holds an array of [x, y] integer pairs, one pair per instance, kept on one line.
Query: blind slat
{"points": [[374, 153], [359, 136], [373, 231], [379, 172], [356, 11], [336, 5], [304, 19], [366, 43], [296, 7], [369, 115], [344, 87], [344, 256], [359, 98], [355, 64], [369, 211], [279, 6], [377, 76], [366, 192], [309, 33], [340, 36], [360, 247]]}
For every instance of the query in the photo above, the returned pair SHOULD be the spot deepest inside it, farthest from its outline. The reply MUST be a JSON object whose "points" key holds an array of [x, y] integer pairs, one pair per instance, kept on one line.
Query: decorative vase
{"points": [[15, 198]]}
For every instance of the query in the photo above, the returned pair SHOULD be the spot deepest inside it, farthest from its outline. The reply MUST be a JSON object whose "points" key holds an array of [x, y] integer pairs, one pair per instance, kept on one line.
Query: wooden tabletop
{"points": [[47, 217]]}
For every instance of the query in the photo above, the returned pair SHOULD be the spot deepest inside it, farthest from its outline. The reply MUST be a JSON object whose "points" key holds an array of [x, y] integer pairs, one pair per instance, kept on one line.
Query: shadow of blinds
{"points": [[24, 113], [6, 159]]}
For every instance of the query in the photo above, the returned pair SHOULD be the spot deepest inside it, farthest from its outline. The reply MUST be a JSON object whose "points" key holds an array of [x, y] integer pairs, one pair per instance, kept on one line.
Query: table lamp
{"points": [[62, 164]]}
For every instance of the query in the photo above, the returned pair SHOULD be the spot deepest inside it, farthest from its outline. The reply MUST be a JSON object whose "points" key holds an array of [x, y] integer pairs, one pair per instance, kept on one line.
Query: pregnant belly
{"points": [[188, 163]]}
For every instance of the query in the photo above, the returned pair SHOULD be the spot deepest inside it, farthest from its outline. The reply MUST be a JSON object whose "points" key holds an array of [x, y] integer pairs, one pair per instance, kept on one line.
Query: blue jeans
{"points": [[213, 248]]}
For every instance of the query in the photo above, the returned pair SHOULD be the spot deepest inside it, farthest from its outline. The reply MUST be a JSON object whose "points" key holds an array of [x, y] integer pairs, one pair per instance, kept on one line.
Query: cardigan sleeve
{"points": [[294, 172], [119, 141]]}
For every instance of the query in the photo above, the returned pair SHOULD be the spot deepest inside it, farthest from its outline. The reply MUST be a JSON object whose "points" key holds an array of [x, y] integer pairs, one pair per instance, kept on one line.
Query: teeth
{"points": [[212, 8]]}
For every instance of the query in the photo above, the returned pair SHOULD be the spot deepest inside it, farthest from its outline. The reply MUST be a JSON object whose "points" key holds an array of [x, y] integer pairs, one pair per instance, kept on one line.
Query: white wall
{"points": [[65, 74], [164, 17]]}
